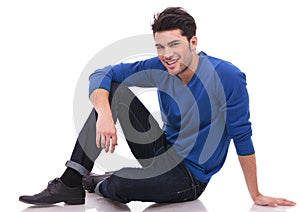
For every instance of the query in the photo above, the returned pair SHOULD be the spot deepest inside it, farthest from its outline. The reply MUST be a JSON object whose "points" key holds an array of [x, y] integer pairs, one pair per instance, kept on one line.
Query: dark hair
{"points": [[175, 18]]}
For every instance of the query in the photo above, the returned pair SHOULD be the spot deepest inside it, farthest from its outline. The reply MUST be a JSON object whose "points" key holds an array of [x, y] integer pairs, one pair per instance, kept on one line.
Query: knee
{"points": [[114, 86], [119, 89], [120, 93]]}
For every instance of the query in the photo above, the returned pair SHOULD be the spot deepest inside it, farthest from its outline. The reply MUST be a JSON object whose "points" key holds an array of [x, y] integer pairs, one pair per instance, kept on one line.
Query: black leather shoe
{"points": [[56, 192], [90, 181]]}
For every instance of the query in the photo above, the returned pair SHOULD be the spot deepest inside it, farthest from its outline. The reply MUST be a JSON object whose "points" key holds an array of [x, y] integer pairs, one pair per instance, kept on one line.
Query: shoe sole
{"points": [[68, 202], [75, 202]]}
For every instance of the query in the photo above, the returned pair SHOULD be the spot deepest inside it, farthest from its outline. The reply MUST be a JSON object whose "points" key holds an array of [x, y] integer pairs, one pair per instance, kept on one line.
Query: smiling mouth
{"points": [[171, 62]]}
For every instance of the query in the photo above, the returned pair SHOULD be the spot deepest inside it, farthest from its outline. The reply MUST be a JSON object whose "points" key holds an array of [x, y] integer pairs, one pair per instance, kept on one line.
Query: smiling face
{"points": [[176, 53]]}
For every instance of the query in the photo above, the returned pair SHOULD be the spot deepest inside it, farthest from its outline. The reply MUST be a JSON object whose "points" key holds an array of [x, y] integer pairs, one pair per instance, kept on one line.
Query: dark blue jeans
{"points": [[163, 177]]}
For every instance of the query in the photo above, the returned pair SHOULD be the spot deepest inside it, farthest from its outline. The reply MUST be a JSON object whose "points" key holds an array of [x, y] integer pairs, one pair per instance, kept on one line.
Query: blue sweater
{"points": [[200, 118]]}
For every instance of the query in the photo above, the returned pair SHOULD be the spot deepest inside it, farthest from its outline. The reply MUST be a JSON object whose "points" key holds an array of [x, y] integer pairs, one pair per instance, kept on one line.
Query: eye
{"points": [[174, 44], [159, 47]]}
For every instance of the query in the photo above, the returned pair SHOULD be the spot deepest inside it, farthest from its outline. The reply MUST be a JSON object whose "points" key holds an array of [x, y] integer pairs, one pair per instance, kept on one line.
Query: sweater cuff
{"points": [[244, 148]]}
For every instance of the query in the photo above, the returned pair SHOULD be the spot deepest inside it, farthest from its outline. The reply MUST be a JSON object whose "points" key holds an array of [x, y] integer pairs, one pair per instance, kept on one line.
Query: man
{"points": [[204, 104]]}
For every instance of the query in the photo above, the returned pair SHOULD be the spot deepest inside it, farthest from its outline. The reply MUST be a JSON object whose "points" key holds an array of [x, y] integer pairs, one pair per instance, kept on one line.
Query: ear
{"points": [[193, 42]]}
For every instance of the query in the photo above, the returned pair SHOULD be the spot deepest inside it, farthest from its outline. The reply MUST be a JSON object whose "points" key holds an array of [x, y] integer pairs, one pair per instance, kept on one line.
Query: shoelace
{"points": [[52, 184], [55, 181]]}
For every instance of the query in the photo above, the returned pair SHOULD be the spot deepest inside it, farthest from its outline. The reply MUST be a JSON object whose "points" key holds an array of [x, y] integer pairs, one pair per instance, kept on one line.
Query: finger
{"points": [[285, 202], [98, 143], [107, 143], [103, 141], [113, 143], [273, 204]]}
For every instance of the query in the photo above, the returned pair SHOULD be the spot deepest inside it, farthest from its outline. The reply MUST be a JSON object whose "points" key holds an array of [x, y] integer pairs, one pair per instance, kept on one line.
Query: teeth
{"points": [[170, 63]]}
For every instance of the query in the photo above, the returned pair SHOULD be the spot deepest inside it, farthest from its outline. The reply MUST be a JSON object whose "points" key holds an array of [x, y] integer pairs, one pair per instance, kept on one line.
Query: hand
{"points": [[106, 134], [271, 201]]}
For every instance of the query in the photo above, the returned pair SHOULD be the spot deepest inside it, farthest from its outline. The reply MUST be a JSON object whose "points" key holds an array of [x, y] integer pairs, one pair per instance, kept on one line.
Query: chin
{"points": [[172, 72]]}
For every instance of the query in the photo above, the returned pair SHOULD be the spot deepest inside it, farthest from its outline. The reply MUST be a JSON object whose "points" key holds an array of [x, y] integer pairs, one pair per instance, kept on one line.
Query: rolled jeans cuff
{"points": [[97, 188], [78, 167]]}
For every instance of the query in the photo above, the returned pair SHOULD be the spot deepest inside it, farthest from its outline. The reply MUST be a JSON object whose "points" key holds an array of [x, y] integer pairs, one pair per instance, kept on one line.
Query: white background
{"points": [[45, 46]]}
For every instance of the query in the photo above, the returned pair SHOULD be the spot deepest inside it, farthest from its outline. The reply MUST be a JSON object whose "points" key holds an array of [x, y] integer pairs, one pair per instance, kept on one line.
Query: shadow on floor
{"points": [[97, 203], [190, 206]]}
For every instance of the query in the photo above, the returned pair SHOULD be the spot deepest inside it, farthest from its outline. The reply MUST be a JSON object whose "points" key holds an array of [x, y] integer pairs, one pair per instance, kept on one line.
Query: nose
{"points": [[168, 53]]}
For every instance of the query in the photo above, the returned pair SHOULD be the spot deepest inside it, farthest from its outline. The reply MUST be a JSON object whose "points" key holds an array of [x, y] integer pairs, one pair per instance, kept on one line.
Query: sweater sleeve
{"points": [[131, 74], [238, 124]]}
